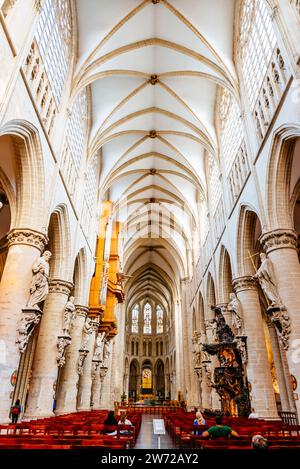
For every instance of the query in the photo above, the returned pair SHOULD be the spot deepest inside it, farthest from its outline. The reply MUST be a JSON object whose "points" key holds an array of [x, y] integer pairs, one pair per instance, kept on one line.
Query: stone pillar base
{"points": [[83, 409]]}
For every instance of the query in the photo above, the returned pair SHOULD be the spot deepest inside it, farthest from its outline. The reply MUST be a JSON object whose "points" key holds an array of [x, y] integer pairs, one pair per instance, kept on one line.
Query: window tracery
{"points": [[159, 320], [257, 44], [147, 319], [135, 319], [53, 38]]}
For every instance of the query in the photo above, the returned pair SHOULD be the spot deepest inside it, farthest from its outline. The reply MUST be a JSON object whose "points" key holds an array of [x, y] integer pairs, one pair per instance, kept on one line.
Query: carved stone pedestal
{"points": [[280, 318], [29, 320], [63, 341]]}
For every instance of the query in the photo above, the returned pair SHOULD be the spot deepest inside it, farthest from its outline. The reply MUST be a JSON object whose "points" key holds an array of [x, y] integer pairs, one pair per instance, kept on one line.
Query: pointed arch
{"points": [[30, 174]]}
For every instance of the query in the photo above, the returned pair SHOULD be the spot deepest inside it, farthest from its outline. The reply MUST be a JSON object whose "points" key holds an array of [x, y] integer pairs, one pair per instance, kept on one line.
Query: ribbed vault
{"points": [[154, 68]]}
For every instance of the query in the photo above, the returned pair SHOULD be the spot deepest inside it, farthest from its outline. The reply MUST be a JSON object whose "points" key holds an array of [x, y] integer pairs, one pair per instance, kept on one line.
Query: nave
{"points": [[149, 215]]}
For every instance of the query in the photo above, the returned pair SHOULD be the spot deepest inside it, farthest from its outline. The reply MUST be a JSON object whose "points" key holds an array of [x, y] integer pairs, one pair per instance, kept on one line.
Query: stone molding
{"points": [[81, 310], [279, 239], [60, 286], [243, 283], [27, 237]]}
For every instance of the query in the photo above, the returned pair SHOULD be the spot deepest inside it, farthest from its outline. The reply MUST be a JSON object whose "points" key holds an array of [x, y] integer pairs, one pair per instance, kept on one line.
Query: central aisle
{"points": [[146, 439]]}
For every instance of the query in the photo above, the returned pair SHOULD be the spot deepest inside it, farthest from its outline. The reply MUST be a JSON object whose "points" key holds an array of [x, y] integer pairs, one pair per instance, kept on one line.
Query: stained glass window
{"points": [[147, 379], [135, 320], [159, 320], [147, 318]]}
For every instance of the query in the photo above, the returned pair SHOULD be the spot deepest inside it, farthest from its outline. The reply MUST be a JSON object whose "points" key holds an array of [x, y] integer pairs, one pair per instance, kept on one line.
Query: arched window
{"points": [[147, 319], [53, 37], [257, 43], [135, 320], [147, 379], [159, 320]]}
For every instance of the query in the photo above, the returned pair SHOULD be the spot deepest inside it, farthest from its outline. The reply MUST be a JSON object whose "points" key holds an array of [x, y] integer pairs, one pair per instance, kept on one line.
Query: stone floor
{"points": [[146, 438]]}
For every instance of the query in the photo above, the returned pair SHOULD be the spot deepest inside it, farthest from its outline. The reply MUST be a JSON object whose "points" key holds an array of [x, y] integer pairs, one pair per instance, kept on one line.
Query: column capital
{"points": [[27, 237], [60, 286], [279, 239], [81, 310], [243, 283]]}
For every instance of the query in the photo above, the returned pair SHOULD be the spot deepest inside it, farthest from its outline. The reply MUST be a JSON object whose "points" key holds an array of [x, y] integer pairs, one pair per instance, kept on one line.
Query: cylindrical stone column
{"points": [[281, 247], [45, 369], [68, 386], [279, 367], [258, 367], [85, 381], [24, 247], [96, 388], [102, 374]]}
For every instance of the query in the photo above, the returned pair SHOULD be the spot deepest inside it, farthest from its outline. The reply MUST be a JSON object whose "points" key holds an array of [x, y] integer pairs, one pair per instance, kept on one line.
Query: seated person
{"points": [[124, 421], [219, 430], [199, 420], [259, 442], [253, 414], [109, 422]]}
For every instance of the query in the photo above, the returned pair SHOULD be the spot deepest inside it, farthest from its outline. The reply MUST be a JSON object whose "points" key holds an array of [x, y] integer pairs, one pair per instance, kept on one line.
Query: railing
{"points": [[272, 89], [238, 174], [289, 418], [40, 87]]}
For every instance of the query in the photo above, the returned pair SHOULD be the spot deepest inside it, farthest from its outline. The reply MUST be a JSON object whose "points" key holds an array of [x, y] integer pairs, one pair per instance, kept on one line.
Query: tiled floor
{"points": [[146, 439]]}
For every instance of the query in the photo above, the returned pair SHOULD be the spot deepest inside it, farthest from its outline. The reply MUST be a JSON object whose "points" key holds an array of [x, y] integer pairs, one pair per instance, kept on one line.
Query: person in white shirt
{"points": [[124, 421], [253, 414]]}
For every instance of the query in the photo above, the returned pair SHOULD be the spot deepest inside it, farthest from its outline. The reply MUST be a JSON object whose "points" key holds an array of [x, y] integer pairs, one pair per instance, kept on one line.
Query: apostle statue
{"points": [[235, 307], [106, 352], [266, 277], [69, 315], [39, 287], [197, 351], [86, 332], [99, 345]]}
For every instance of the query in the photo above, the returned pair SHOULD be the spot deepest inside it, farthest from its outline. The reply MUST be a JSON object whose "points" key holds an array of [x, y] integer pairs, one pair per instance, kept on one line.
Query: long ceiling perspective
{"points": [[154, 69]]}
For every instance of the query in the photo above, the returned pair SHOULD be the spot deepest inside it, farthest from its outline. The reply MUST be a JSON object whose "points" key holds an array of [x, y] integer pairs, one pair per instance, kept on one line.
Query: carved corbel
{"points": [[29, 320]]}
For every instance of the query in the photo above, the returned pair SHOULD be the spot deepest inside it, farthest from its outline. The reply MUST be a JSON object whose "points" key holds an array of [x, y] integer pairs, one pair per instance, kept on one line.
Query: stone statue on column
{"points": [[83, 351], [266, 278], [69, 316], [39, 289], [106, 352], [86, 332], [276, 310], [196, 350], [99, 345], [64, 340], [235, 307]]}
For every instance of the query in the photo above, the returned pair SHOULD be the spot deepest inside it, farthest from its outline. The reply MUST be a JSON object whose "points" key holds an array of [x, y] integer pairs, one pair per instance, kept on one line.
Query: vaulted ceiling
{"points": [[154, 68]]}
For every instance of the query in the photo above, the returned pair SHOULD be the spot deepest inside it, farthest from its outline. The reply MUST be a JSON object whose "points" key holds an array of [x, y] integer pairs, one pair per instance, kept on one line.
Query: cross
{"points": [[251, 258]]}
